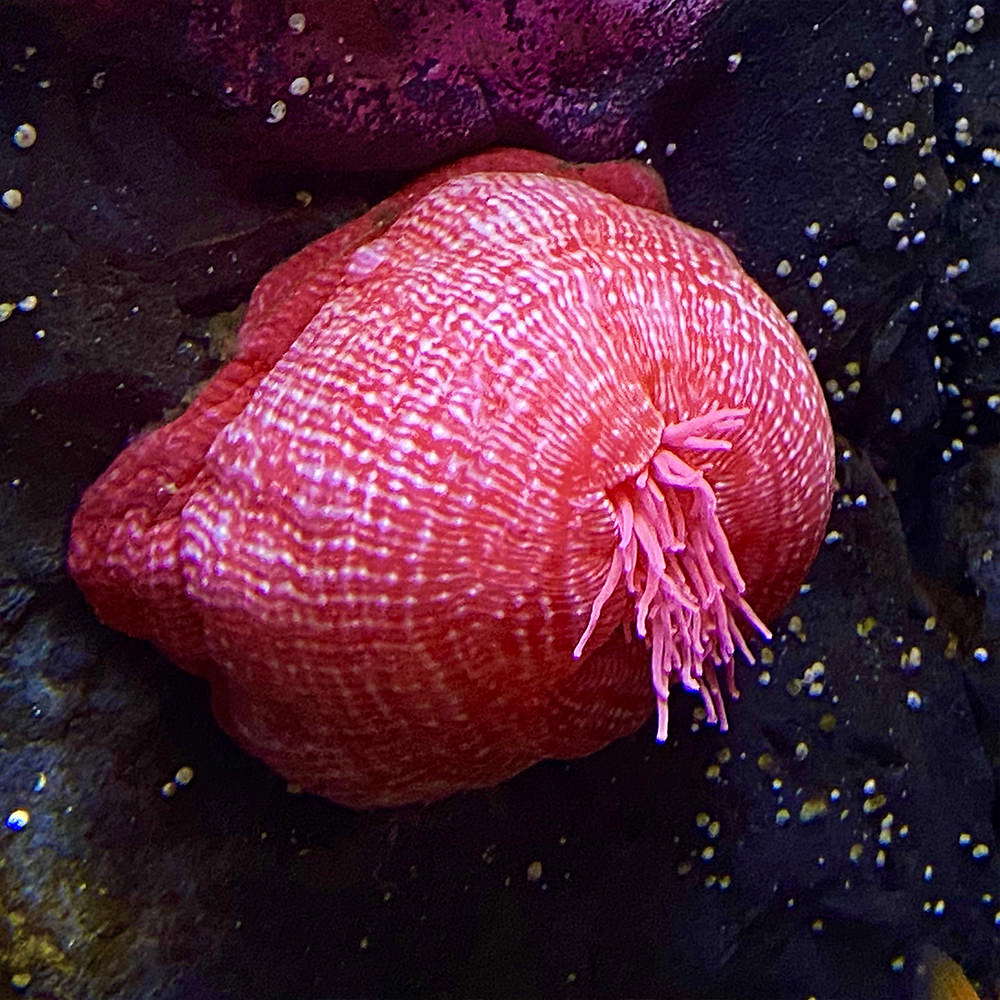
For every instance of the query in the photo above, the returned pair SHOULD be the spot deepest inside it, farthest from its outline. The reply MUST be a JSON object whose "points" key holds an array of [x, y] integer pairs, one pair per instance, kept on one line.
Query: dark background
{"points": [[846, 818]]}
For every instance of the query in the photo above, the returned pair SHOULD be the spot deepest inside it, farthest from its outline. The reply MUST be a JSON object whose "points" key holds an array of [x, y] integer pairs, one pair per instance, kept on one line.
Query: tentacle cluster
{"points": [[677, 566]]}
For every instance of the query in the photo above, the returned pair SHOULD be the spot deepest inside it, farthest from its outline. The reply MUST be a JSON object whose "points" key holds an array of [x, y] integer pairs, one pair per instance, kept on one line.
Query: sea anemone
{"points": [[484, 459]]}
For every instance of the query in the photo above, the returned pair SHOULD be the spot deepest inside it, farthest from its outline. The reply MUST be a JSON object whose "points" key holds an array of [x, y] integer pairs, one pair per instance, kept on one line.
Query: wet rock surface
{"points": [[399, 85], [848, 818]]}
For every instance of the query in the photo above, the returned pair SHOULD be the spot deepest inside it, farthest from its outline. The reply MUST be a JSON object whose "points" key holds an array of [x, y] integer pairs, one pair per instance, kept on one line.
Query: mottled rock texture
{"points": [[362, 84]]}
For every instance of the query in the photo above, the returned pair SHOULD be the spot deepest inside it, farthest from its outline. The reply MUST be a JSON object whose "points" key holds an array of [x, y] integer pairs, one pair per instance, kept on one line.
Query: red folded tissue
{"points": [[492, 468]]}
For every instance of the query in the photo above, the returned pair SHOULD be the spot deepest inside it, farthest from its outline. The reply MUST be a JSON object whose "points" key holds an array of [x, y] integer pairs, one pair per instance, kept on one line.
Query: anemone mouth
{"points": [[678, 568]]}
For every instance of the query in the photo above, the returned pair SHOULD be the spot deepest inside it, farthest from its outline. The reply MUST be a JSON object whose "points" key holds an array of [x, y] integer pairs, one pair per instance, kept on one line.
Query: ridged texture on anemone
{"points": [[463, 440]]}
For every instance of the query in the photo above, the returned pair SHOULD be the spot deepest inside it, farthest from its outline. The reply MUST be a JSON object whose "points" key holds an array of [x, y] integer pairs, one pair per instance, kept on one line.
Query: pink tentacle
{"points": [[677, 566]]}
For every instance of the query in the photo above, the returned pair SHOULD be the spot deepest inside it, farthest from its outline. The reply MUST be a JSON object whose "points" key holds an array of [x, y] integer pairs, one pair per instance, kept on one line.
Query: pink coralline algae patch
{"points": [[360, 85], [493, 467]]}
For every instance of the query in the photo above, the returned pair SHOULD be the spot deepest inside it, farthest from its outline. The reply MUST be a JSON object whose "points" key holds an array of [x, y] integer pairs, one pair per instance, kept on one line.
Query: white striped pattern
{"points": [[395, 545]]}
